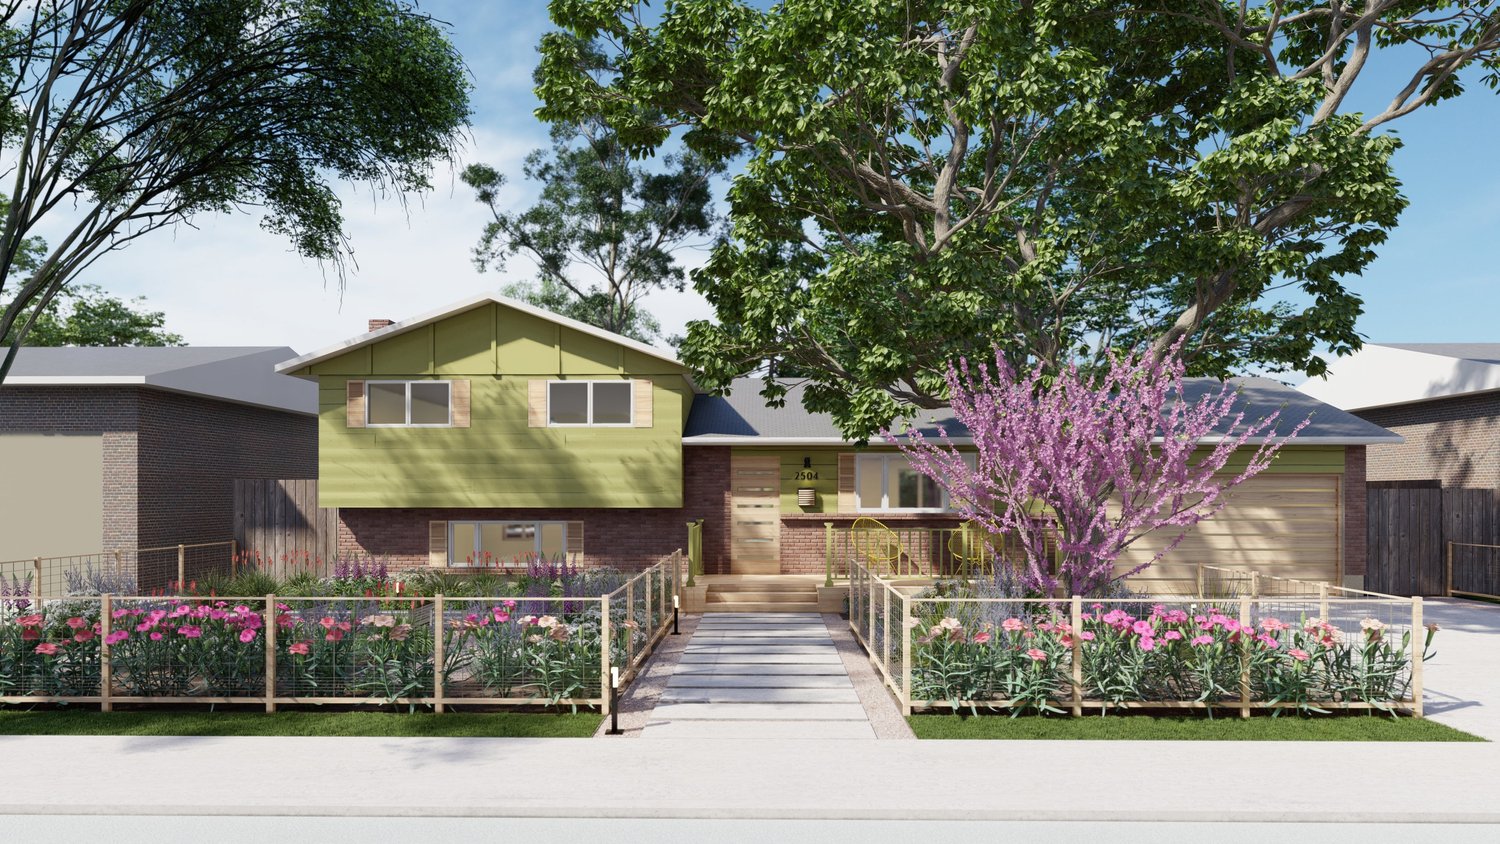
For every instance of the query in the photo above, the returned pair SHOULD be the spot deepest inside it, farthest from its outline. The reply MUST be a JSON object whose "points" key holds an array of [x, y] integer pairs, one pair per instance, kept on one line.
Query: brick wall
{"points": [[1356, 520], [804, 547], [169, 460], [1454, 440], [626, 538]]}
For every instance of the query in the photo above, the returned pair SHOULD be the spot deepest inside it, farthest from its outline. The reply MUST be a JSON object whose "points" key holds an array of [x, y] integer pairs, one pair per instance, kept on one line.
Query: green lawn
{"points": [[83, 722], [1184, 728]]}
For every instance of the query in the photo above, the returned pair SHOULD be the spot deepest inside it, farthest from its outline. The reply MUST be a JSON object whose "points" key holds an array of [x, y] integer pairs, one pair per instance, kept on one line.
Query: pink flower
{"points": [[1171, 635], [189, 631], [300, 648], [1297, 654], [1142, 628], [1087, 635], [247, 635], [1147, 643], [156, 635], [30, 634], [1036, 654], [334, 634], [30, 620], [1011, 625], [144, 626], [400, 632], [1201, 639], [116, 637], [981, 638], [510, 605], [501, 616], [1268, 641], [83, 635], [77, 623], [47, 649], [120, 613], [1273, 625]]}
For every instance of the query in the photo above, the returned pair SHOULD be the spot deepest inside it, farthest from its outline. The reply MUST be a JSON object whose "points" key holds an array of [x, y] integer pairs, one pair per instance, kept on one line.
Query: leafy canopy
{"points": [[925, 180], [85, 315], [124, 116]]}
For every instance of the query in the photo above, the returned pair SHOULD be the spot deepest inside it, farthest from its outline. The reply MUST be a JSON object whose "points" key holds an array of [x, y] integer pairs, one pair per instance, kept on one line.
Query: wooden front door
{"points": [[755, 515]]}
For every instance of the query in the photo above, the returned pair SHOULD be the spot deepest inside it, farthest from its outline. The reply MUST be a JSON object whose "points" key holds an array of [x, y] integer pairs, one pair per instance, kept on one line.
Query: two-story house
{"points": [[491, 428]]}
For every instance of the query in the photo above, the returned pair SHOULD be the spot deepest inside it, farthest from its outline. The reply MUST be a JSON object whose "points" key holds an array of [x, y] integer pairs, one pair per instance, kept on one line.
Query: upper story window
{"points": [[409, 404], [597, 403], [887, 482]]}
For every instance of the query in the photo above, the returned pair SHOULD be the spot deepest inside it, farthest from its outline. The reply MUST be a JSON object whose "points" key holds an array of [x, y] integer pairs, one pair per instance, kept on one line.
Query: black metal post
{"points": [[674, 620], [614, 703]]}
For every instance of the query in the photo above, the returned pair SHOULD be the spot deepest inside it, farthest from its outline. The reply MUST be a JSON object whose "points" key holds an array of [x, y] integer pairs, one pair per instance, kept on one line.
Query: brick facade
{"points": [[1355, 512], [170, 460], [626, 538], [1453, 440]]}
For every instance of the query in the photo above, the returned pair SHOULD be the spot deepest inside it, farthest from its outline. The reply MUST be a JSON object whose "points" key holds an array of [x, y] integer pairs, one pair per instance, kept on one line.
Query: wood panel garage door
{"points": [[755, 515], [1284, 525]]}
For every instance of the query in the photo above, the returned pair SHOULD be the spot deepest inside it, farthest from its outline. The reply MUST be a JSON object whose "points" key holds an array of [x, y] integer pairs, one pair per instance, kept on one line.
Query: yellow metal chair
{"points": [[877, 544], [969, 544]]}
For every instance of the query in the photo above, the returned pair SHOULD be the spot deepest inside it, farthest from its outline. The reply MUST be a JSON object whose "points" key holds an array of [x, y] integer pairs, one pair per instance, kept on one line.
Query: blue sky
{"points": [[225, 282]]}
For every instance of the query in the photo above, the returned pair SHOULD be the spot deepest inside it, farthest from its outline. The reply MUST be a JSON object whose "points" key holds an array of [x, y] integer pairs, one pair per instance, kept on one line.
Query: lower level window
{"points": [[499, 543]]}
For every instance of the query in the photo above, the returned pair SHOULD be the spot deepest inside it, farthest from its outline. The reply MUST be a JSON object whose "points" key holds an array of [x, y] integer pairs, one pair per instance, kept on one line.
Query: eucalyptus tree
{"points": [[924, 180], [122, 117]]}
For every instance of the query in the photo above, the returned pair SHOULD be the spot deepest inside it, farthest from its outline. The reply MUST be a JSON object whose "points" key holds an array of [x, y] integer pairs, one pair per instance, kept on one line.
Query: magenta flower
{"points": [[47, 649], [1147, 643], [1142, 628], [116, 637], [1171, 635], [1201, 639], [247, 636], [156, 635], [1086, 635], [190, 631]]}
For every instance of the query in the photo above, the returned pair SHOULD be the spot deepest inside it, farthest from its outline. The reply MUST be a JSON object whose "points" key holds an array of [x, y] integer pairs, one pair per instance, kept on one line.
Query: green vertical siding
{"points": [[499, 461]]}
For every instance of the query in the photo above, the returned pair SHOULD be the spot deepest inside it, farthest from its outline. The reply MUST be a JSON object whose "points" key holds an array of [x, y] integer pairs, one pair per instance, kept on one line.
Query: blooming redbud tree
{"points": [[1097, 461]]}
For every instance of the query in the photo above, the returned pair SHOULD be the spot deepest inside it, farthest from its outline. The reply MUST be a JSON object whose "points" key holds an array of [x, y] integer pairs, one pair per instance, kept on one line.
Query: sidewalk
{"points": [[800, 779]]}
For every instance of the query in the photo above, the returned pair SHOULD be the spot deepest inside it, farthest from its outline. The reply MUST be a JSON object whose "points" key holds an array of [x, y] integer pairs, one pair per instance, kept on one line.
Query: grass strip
{"points": [[83, 722], [1183, 728]]}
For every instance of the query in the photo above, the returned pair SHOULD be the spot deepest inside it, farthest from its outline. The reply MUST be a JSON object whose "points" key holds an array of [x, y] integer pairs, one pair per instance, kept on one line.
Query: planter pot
{"points": [[694, 598], [833, 598]]}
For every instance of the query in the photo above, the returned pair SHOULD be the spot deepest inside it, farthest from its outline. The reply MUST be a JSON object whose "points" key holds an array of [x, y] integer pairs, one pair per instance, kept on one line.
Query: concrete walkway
{"points": [[760, 676], [1463, 678]]}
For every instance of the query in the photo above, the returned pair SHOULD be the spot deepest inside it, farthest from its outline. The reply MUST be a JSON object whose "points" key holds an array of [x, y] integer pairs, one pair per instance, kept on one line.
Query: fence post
{"points": [[438, 635], [1255, 584], [270, 653], [906, 631], [1417, 642], [828, 553], [1448, 566], [37, 564], [106, 675], [181, 569], [650, 625], [692, 529], [1201, 596], [1244, 659], [1323, 601], [605, 646], [886, 623], [1077, 622], [870, 608]]}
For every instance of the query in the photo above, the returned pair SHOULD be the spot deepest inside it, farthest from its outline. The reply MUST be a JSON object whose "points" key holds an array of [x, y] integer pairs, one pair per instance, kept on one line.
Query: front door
{"points": [[755, 515]]}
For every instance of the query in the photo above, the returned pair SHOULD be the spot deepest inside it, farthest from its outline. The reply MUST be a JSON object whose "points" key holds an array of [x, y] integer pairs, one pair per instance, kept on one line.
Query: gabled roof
{"points": [[742, 417], [1384, 374], [459, 307], [240, 374]]}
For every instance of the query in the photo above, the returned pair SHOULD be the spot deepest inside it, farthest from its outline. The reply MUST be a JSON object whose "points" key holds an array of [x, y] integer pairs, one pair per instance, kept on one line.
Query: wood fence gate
{"points": [[278, 521], [1410, 524]]}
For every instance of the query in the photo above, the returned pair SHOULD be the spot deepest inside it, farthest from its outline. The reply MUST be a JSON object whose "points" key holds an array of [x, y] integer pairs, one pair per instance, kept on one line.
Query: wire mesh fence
{"points": [[166, 569], [1291, 645], [273, 650]]}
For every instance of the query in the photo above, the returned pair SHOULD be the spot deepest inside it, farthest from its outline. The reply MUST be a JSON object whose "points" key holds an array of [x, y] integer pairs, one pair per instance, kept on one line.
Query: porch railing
{"points": [[900, 551]]}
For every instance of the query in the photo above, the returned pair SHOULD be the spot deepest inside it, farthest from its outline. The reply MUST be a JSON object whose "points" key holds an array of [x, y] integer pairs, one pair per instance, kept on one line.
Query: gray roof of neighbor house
{"points": [[1386, 374], [239, 374], [1481, 352], [742, 417]]}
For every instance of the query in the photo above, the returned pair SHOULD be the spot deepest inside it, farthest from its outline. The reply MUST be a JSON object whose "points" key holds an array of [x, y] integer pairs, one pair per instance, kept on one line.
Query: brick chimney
{"points": [[377, 324]]}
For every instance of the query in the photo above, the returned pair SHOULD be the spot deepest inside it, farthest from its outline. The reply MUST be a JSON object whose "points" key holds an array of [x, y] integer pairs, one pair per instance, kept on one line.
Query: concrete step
{"points": [[761, 595], [767, 606], [770, 584]]}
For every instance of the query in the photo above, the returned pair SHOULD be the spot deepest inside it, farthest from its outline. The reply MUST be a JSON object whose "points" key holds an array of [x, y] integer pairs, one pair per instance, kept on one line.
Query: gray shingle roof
{"points": [[742, 416], [241, 374], [1482, 352]]}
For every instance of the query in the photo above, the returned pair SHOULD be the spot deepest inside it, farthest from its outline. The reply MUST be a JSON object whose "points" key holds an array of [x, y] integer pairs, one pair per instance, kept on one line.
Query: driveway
{"points": [[1463, 679]]}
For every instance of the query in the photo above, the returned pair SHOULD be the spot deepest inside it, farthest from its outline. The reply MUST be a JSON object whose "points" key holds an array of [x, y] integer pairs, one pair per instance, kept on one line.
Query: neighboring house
{"points": [[491, 428], [1444, 398], [123, 448]]}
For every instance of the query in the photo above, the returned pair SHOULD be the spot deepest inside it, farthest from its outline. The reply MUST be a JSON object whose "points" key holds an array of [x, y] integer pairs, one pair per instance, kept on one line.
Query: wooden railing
{"points": [[165, 568]]}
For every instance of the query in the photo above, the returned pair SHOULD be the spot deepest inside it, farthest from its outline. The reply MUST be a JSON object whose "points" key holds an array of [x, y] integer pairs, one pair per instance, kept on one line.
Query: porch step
{"points": [[769, 583], [760, 606], [762, 595]]}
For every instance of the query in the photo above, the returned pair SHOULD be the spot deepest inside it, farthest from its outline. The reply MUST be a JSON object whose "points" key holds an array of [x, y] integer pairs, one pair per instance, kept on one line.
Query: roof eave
{"points": [[730, 439]]}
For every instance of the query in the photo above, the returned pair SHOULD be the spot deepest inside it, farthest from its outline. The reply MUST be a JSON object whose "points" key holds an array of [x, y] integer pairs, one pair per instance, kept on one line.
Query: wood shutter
{"points": [[575, 542], [437, 544], [459, 395], [354, 404], [536, 403], [846, 483], [642, 402]]}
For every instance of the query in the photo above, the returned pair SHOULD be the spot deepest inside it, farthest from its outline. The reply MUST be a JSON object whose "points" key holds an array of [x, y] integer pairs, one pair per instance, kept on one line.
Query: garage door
{"points": [[1284, 525], [51, 495]]}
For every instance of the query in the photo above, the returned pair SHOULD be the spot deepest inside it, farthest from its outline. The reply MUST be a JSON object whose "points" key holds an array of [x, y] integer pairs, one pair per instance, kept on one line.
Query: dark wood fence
{"points": [[280, 520], [1410, 525]]}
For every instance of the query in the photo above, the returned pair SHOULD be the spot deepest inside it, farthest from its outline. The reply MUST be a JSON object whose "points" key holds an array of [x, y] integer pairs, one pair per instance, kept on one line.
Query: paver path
{"points": [[760, 675]]}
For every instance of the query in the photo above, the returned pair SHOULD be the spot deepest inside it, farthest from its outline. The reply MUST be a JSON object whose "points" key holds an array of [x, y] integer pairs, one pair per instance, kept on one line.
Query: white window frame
{"points": [[863, 460], [630, 420], [408, 423], [454, 561]]}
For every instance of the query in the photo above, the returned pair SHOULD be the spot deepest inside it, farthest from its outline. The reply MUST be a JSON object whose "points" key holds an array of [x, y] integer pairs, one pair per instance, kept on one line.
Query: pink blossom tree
{"points": [[1099, 461]]}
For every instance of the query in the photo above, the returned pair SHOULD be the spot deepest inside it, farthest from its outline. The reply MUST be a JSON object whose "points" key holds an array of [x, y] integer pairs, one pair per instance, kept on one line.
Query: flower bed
{"points": [[379, 649], [1057, 656]]}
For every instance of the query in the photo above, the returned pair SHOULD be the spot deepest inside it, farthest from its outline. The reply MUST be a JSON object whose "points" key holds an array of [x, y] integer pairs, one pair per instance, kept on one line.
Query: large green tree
{"points": [[86, 315], [923, 180], [605, 230], [124, 116]]}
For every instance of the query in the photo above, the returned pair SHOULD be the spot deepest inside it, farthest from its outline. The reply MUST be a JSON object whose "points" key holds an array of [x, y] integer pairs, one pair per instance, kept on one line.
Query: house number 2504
{"points": [[805, 475]]}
